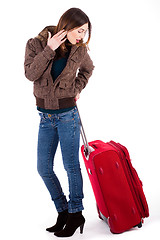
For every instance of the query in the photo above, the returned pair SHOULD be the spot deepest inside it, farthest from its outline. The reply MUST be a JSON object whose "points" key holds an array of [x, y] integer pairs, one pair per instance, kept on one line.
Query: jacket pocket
{"points": [[63, 84], [64, 89], [43, 82], [41, 88], [74, 63], [66, 84], [75, 59]]}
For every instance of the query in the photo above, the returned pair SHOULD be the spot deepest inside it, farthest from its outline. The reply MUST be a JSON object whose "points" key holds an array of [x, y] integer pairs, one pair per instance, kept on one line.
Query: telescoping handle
{"points": [[84, 138]]}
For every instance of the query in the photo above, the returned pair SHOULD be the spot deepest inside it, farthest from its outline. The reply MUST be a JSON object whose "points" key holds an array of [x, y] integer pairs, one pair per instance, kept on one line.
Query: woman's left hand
{"points": [[77, 97]]}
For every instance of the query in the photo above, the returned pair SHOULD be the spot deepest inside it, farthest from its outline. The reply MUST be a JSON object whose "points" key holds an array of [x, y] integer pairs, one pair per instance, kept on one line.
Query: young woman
{"points": [[58, 64]]}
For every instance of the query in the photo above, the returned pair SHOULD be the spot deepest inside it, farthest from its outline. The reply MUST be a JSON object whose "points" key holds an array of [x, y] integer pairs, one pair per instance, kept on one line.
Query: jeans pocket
{"points": [[66, 118], [42, 117]]}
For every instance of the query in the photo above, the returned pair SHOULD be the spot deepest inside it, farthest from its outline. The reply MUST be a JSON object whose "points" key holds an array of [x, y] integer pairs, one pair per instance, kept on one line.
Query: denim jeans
{"points": [[64, 128]]}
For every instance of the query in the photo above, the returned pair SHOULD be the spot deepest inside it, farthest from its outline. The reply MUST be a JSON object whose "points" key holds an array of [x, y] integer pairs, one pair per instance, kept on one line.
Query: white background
{"points": [[120, 103]]}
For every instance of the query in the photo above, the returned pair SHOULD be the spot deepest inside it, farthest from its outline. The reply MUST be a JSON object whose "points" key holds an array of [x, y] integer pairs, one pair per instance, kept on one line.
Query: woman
{"points": [[58, 64]]}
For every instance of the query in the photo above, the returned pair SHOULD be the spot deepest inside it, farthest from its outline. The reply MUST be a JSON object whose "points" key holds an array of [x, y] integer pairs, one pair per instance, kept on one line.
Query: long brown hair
{"points": [[71, 19]]}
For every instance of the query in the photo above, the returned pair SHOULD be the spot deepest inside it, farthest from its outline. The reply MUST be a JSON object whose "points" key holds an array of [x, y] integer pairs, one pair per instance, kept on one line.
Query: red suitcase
{"points": [[117, 188]]}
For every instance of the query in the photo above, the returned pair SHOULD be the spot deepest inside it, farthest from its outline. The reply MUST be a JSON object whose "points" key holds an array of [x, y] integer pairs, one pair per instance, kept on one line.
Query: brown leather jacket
{"points": [[38, 62]]}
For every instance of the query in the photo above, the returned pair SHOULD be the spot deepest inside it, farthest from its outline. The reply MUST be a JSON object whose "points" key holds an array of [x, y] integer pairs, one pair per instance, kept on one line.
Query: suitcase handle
{"points": [[87, 149]]}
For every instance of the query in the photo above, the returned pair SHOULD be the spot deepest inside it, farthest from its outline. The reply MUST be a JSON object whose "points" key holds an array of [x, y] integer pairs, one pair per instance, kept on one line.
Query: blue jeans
{"points": [[63, 128]]}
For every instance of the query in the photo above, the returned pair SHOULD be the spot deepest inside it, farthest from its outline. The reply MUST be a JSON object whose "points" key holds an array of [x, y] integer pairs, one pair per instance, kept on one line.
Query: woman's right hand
{"points": [[57, 39]]}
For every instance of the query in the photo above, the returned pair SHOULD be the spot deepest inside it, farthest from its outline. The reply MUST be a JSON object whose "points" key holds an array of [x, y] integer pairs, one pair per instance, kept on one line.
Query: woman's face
{"points": [[75, 35]]}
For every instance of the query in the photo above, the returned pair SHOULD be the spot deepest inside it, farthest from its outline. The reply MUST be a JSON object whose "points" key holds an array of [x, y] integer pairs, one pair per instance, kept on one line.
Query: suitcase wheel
{"points": [[139, 225]]}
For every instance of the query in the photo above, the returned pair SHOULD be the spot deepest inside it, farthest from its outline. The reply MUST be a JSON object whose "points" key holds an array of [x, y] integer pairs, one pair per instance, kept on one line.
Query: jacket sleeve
{"points": [[36, 62], [85, 72]]}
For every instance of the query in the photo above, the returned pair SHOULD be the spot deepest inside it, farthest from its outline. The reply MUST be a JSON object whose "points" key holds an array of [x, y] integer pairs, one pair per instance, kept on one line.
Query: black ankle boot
{"points": [[74, 221], [61, 221]]}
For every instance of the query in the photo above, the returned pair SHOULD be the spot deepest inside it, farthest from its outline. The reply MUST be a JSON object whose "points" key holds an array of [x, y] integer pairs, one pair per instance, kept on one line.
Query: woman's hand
{"points": [[57, 39], [77, 97]]}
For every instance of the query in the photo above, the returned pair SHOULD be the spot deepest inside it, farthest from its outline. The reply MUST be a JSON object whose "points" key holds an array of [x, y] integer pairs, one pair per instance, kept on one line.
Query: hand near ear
{"points": [[57, 39]]}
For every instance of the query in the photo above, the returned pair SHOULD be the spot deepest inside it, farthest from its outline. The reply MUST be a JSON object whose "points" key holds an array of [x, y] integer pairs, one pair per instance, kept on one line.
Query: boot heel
{"points": [[81, 228]]}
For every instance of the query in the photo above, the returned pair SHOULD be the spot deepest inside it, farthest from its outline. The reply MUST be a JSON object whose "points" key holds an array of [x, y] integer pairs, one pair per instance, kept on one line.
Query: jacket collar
{"points": [[43, 35], [73, 50]]}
